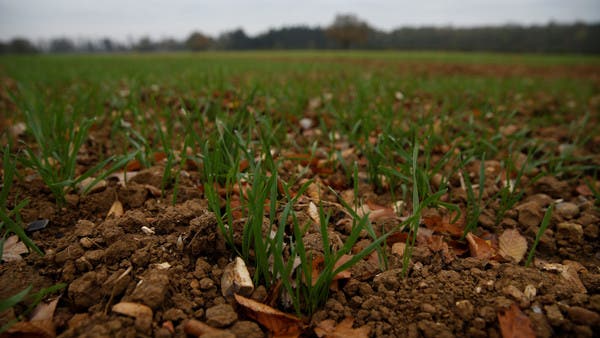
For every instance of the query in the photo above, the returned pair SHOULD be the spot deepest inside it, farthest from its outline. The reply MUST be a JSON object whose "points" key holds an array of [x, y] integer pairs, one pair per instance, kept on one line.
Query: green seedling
{"points": [[10, 219], [540, 233], [474, 203], [55, 157], [36, 298], [511, 193]]}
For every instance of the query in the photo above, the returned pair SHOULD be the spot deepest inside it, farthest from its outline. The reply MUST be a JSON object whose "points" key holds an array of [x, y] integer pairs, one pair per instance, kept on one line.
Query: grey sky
{"points": [[123, 19]]}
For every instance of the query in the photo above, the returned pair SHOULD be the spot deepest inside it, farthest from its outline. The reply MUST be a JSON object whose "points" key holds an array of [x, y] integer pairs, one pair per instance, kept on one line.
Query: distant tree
{"points": [[169, 44], [107, 45], [236, 39], [20, 45], [295, 37], [62, 45], [198, 41], [348, 30], [145, 45]]}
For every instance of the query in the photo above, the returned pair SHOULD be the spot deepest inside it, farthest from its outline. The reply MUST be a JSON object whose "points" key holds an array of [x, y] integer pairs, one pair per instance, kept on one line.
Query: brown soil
{"points": [[107, 260]]}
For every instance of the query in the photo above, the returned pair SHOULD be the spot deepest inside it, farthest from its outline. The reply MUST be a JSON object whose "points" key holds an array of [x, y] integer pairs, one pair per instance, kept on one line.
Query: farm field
{"points": [[417, 194]]}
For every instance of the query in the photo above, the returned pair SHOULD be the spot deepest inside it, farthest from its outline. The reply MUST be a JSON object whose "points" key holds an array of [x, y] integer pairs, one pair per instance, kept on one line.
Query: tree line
{"points": [[349, 32]]}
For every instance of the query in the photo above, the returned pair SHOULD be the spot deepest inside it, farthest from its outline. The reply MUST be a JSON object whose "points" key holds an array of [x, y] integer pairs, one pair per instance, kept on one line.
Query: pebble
{"points": [[426, 307], [465, 309], [221, 316], [71, 252], [530, 214], [570, 232], [591, 231], [515, 293], [583, 316], [433, 329], [153, 289], [247, 329], [206, 283], [551, 186], [595, 302], [567, 210], [554, 315]]}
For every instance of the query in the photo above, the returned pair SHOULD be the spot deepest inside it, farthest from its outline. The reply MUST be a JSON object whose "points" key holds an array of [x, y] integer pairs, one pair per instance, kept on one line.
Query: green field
{"points": [[363, 148]]}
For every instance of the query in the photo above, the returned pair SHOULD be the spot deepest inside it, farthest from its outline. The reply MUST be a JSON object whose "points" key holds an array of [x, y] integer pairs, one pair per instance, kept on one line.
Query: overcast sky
{"points": [[131, 19]]}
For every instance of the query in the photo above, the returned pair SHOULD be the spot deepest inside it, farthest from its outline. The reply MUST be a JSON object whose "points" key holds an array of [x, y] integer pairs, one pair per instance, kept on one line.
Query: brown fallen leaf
{"points": [[480, 248], [41, 323], [328, 329], [116, 210], [584, 190], [313, 212], [13, 249], [444, 224], [513, 246], [279, 323], [514, 323]]}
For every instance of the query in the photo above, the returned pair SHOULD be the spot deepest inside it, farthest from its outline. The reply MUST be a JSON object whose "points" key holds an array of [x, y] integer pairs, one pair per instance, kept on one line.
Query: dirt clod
{"points": [[152, 289], [221, 315]]}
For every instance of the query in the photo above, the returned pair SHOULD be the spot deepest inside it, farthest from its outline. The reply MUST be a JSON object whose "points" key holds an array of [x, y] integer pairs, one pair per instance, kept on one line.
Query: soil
{"points": [[176, 268]]}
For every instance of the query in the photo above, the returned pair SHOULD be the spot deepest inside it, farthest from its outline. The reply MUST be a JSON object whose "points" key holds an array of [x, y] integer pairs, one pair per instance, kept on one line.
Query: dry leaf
{"points": [[382, 215], [279, 323], [479, 248], [116, 210], [83, 185], [513, 246], [514, 323], [444, 224], [343, 274], [328, 329], [313, 212], [584, 190], [13, 249], [41, 323]]}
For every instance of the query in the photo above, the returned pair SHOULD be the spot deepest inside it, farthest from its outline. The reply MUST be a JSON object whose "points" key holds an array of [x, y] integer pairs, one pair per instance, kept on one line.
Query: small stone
{"points": [[588, 219], [259, 294], [530, 292], [433, 329], [591, 231], [84, 185], [390, 279], [425, 307], [567, 210], [152, 289], [174, 315], [530, 214], [570, 232], [465, 309], [306, 123], [247, 329], [236, 279], [83, 290], [515, 293], [540, 325], [72, 252], [221, 315], [595, 302], [554, 315], [551, 186], [206, 283], [583, 316], [86, 243]]}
